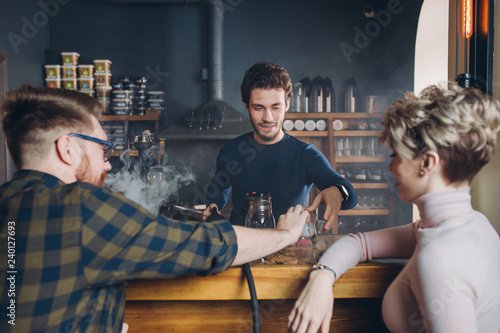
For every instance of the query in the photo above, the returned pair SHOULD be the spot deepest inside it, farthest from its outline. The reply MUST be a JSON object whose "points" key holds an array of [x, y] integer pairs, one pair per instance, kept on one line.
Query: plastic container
{"points": [[69, 72], [120, 94], [70, 58], [85, 71], [86, 83], [120, 103], [102, 79], [141, 82], [153, 94], [140, 111], [120, 147], [121, 111], [116, 129], [155, 103], [102, 66], [53, 83], [69, 83], [53, 71], [103, 91], [118, 139]]}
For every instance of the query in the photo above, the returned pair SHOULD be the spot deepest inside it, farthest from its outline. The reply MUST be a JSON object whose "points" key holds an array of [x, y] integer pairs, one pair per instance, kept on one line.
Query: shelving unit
{"points": [[151, 115], [325, 141]]}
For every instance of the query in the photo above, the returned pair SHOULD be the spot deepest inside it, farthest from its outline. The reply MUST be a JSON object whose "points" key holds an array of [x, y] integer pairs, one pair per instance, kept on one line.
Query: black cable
{"points": [[214, 216], [253, 297]]}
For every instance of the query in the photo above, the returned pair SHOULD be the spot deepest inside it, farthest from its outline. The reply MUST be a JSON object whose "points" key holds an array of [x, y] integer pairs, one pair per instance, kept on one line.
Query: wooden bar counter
{"points": [[221, 303]]}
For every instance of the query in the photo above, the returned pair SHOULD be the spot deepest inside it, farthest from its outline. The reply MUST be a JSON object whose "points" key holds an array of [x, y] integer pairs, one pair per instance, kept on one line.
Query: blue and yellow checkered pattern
{"points": [[77, 244]]}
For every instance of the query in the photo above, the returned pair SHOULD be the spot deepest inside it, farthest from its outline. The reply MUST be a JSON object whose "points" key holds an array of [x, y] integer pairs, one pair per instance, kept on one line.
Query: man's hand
{"points": [[208, 211], [332, 199], [293, 221], [258, 243]]}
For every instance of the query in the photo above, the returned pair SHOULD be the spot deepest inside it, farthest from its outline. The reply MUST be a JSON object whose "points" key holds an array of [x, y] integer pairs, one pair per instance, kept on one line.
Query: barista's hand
{"points": [[314, 307], [208, 211], [332, 199], [293, 221]]}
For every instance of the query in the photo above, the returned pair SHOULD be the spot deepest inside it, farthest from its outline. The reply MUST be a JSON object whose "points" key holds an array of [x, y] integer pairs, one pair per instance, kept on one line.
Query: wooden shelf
{"points": [[354, 212], [131, 152], [331, 115], [129, 118], [316, 134], [327, 140], [356, 133], [151, 115], [360, 159]]}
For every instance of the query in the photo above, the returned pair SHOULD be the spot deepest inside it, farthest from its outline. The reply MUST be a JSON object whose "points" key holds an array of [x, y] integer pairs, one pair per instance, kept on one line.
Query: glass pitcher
{"points": [[260, 214]]}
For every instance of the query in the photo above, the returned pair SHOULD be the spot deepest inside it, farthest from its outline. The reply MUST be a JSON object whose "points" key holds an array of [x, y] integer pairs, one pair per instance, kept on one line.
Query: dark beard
{"points": [[264, 138]]}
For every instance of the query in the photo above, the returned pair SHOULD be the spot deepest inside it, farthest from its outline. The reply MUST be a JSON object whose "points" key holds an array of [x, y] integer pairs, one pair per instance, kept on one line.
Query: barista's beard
{"points": [[83, 173]]}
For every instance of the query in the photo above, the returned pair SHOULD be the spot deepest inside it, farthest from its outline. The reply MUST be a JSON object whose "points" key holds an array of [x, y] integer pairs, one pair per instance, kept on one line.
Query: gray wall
{"points": [[167, 42]]}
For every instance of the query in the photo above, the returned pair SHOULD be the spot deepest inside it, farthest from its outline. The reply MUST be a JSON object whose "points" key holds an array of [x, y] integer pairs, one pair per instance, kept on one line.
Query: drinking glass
{"points": [[339, 147], [347, 147]]}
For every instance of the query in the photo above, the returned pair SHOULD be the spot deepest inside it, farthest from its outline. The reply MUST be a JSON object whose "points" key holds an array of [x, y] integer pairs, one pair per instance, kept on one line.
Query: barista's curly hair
{"points": [[265, 75], [461, 125], [33, 117]]}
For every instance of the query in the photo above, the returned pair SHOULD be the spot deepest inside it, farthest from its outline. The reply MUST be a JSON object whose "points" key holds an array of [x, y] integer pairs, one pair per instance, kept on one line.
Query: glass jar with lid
{"points": [[259, 214]]}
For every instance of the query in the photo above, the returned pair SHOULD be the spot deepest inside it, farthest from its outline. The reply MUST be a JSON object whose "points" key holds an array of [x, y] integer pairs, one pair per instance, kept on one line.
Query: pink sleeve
{"points": [[347, 252]]}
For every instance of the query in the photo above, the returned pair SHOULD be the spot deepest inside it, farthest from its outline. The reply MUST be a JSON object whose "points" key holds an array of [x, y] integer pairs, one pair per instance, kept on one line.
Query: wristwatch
{"points": [[343, 192], [325, 268]]}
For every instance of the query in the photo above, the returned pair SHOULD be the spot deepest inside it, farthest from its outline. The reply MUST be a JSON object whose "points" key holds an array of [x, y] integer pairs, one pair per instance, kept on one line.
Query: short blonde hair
{"points": [[461, 125]]}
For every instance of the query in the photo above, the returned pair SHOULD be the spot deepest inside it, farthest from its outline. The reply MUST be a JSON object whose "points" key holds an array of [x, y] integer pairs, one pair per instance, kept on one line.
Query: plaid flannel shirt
{"points": [[77, 244]]}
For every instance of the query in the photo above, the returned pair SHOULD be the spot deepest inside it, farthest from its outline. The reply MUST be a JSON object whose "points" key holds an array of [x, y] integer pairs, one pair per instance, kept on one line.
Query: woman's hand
{"points": [[314, 307]]}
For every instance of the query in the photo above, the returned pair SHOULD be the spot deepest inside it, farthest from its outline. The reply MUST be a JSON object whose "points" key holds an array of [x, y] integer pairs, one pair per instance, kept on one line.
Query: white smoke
{"points": [[161, 184]]}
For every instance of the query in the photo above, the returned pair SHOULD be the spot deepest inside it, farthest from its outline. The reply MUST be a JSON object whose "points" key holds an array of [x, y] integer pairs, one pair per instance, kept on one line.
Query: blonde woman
{"points": [[440, 141]]}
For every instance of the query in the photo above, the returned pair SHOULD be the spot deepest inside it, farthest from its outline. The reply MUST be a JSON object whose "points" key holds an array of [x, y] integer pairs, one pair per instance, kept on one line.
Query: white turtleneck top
{"points": [[451, 282]]}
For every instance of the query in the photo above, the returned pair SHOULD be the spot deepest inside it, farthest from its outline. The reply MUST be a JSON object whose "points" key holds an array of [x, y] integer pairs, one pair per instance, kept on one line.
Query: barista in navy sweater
{"points": [[270, 160]]}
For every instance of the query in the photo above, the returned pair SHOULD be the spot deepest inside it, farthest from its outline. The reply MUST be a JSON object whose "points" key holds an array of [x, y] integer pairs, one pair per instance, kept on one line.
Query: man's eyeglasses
{"points": [[109, 146]]}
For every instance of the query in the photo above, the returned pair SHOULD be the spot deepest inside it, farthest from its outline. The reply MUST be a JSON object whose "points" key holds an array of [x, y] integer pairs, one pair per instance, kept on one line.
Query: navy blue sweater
{"points": [[287, 170]]}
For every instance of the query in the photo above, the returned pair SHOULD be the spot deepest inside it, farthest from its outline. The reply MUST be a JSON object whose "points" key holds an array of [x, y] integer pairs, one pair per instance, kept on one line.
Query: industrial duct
{"points": [[214, 111], [215, 40]]}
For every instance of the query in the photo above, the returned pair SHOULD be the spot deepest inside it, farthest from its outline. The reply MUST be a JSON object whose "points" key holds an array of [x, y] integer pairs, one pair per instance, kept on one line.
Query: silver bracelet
{"points": [[326, 268]]}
